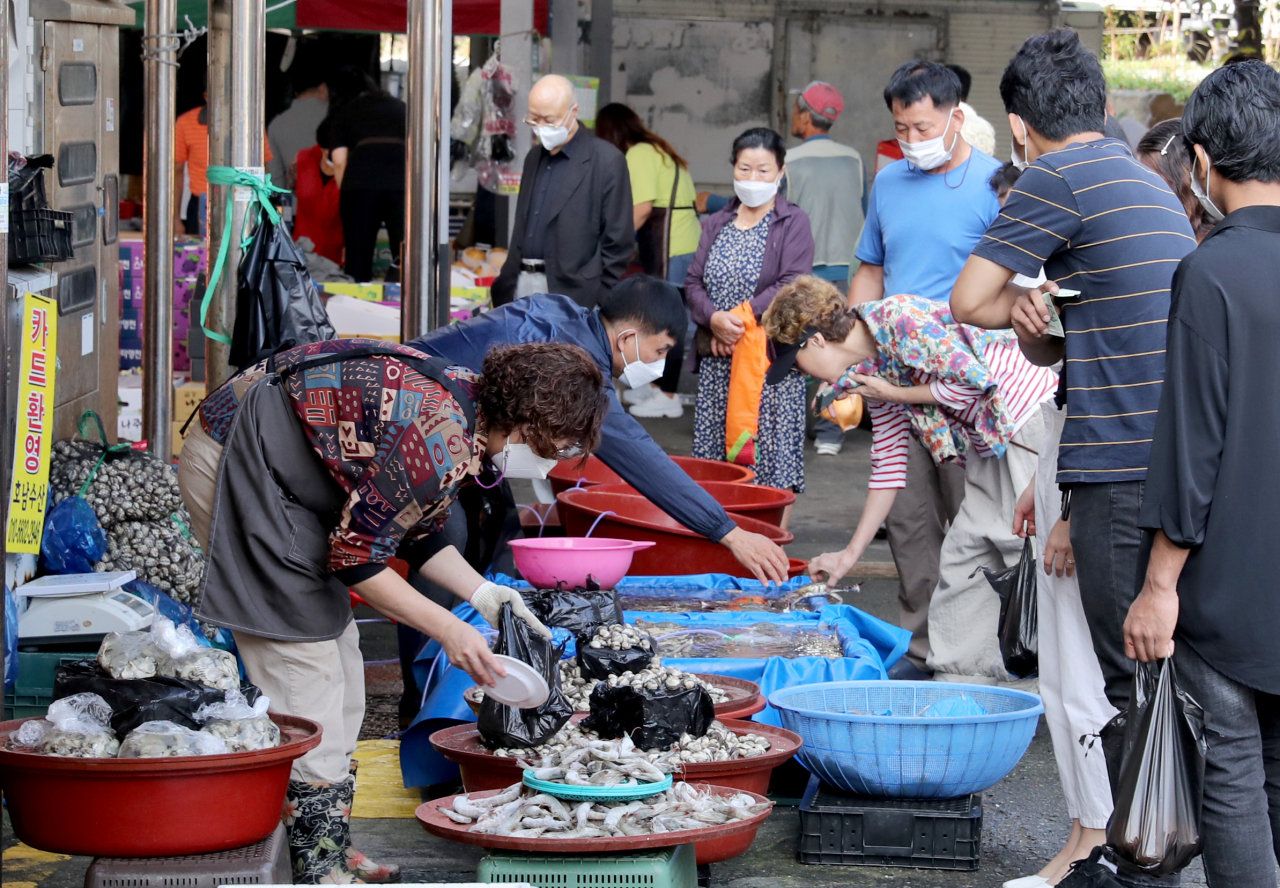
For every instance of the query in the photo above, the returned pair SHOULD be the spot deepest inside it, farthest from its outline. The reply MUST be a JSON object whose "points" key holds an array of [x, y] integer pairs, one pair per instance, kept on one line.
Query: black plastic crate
{"points": [[40, 235], [848, 830]]}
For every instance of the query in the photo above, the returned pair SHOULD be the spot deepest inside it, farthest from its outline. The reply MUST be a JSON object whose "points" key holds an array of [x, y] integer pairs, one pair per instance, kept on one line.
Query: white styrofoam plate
{"points": [[522, 687]]}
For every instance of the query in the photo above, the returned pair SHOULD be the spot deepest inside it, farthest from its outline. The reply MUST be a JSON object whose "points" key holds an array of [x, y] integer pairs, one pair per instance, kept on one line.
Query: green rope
{"points": [[259, 204], [102, 440]]}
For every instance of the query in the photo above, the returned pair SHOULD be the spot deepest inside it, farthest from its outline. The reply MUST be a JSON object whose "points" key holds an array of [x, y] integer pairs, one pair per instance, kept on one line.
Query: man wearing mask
{"points": [[1108, 229], [574, 232], [628, 335], [925, 214]]}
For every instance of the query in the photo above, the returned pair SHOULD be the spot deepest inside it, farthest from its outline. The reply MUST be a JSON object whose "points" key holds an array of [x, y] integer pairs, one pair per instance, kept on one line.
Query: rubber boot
{"points": [[317, 818], [357, 863]]}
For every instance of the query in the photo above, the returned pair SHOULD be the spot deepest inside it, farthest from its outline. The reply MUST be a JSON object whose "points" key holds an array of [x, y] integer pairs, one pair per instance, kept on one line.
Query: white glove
{"points": [[489, 598]]}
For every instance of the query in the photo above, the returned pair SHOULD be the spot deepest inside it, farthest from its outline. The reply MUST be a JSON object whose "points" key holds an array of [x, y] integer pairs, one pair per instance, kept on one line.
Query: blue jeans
{"points": [[1240, 820]]}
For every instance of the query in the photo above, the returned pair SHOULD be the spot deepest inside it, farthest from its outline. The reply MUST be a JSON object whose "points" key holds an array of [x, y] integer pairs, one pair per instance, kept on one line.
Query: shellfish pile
{"points": [[572, 744], [619, 637]]}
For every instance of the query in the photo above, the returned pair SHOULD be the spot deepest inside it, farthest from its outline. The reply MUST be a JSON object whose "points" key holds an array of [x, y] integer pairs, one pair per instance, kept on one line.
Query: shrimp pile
{"points": [[522, 813]]}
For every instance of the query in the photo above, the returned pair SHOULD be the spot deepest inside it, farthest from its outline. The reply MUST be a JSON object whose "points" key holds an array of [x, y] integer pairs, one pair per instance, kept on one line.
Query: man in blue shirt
{"points": [[924, 216], [636, 323]]}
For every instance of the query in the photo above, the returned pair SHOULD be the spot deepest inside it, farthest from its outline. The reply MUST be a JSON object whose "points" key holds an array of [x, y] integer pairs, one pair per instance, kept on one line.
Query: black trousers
{"points": [[363, 213]]}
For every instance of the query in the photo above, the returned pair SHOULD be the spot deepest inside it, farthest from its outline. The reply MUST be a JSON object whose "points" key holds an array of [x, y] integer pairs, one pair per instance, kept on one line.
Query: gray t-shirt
{"points": [[291, 131]]}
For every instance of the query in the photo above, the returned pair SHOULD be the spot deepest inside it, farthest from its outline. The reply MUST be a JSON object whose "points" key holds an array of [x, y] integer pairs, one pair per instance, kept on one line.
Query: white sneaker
{"points": [[1027, 882], [659, 407], [826, 448], [639, 395]]}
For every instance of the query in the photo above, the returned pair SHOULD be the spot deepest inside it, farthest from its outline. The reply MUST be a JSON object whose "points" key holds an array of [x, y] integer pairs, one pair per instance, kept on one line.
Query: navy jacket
{"points": [[626, 447]]}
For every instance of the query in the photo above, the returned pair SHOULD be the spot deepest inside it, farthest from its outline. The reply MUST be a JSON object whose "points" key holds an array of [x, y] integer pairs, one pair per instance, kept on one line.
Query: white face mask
{"points": [[931, 153], [519, 461], [1211, 211], [637, 373], [755, 194], [1015, 157], [552, 137]]}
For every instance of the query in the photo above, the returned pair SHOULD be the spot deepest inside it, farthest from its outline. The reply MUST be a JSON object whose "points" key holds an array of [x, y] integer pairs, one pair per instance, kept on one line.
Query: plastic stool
{"points": [[266, 863]]}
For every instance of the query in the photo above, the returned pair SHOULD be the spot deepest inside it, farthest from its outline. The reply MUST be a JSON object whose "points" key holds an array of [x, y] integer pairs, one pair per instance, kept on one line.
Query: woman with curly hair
{"points": [[969, 396], [306, 473]]}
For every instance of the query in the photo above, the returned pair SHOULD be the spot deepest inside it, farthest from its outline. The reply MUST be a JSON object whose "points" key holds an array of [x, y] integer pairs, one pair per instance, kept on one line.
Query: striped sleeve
{"points": [[1039, 219], [890, 439]]}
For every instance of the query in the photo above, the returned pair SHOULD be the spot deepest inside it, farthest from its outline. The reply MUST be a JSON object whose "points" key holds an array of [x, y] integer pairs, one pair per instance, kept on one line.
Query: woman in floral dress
{"points": [[750, 249]]}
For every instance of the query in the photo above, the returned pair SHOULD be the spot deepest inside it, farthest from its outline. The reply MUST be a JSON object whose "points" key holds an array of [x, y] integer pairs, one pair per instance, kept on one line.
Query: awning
{"points": [[379, 16]]}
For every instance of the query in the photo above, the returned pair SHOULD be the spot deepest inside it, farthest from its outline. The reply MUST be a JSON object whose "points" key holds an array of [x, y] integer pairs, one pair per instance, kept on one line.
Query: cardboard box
{"points": [[370, 292], [186, 398]]}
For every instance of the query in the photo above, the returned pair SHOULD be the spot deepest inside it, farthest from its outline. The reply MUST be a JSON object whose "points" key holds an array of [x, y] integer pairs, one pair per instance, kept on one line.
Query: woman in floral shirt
{"points": [[308, 472], [969, 396]]}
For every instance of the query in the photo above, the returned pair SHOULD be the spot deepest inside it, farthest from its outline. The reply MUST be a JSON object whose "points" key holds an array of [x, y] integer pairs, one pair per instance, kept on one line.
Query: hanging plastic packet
{"points": [[1018, 628], [504, 726], [1155, 827], [161, 739], [245, 728], [653, 719], [81, 728]]}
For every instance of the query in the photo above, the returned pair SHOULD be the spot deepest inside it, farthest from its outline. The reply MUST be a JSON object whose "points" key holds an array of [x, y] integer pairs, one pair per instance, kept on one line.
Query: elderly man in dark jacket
{"points": [[574, 232]]}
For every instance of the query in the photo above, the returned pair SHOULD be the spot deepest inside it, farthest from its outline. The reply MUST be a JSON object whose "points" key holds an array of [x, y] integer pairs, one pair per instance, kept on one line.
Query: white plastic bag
{"points": [[31, 734], [245, 728], [80, 728], [182, 656], [163, 739], [130, 654]]}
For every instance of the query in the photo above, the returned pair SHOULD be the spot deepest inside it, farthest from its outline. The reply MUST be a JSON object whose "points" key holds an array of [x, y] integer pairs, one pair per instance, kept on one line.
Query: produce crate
{"points": [[837, 828], [666, 868], [41, 235], [263, 863], [33, 691]]}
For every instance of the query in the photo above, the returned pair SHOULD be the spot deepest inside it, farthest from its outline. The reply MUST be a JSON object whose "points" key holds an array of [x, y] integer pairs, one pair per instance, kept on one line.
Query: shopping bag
{"points": [[1018, 627], [276, 300], [1155, 827]]}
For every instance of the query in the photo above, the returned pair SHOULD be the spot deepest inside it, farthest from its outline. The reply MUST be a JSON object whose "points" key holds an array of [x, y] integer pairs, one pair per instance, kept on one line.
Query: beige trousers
{"points": [[319, 680], [965, 610]]}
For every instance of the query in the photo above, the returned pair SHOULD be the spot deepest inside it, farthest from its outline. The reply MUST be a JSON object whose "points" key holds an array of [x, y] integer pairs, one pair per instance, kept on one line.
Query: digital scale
{"points": [[81, 607]]}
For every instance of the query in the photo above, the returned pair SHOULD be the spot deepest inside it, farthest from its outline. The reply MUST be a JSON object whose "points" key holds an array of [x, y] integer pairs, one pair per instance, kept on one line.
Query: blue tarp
{"points": [[870, 645]]}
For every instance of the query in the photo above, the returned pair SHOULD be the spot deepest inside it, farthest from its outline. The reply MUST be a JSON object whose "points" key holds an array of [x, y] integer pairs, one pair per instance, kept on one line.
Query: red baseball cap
{"points": [[822, 97]]}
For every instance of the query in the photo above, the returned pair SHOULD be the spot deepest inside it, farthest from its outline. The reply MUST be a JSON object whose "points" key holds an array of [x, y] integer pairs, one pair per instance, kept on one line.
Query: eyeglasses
{"points": [[569, 451], [529, 121]]}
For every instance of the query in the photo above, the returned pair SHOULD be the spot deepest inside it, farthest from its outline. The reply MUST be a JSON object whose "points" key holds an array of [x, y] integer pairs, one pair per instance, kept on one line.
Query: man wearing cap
{"points": [[826, 180]]}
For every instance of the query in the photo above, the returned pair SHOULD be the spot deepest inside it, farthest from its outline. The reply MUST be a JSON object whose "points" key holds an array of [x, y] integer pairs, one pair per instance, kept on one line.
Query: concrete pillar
{"points": [[516, 51]]}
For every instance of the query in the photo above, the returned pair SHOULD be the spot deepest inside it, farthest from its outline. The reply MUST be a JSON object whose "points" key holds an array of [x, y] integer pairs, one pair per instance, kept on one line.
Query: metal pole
{"points": [[157, 179], [421, 308], [566, 58], [516, 50], [237, 76], [8, 419]]}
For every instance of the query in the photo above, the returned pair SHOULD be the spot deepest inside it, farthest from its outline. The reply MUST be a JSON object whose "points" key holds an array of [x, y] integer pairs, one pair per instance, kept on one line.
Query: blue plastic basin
{"points": [[899, 754]]}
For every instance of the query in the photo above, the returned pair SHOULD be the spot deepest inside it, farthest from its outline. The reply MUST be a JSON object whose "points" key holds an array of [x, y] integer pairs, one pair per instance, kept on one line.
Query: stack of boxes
{"points": [[189, 265]]}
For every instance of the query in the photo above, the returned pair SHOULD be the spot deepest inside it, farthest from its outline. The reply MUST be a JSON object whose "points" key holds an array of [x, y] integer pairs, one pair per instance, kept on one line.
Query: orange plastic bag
{"points": [[746, 385]]}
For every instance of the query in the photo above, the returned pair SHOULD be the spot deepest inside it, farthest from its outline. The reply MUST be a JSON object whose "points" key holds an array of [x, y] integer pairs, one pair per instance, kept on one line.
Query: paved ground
{"points": [[1024, 816]]}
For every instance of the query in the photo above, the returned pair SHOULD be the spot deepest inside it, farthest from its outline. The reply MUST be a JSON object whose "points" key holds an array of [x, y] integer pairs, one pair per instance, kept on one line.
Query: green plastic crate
{"points": [[665, 868], [33, 692]]}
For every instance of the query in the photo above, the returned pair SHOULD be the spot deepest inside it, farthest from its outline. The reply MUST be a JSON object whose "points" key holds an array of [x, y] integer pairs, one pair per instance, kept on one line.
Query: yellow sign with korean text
{"points": [[36, 374]]}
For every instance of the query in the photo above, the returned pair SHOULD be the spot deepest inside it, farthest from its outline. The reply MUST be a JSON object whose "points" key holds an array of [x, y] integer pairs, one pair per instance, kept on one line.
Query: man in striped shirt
{"points": [[1102, 224]]}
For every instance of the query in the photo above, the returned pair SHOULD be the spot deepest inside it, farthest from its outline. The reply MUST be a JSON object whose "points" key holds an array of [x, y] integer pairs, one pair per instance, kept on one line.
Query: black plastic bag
{"points": [[577, 610], [134, 701], [602, 662], [276, 300], [505, 726], [1018, 628], [654, 719], [1155, 827]]}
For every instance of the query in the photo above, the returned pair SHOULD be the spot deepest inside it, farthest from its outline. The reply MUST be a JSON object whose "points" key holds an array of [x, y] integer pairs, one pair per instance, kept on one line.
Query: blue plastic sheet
{"points": [[10, 639], [722, 586], [870, 645]]}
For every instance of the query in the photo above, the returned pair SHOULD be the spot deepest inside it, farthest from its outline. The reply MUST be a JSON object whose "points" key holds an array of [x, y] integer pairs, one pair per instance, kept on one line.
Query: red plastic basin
{"points": [[481, 769], [567, 474], [150, 807], [679, 550], [762, 503]]}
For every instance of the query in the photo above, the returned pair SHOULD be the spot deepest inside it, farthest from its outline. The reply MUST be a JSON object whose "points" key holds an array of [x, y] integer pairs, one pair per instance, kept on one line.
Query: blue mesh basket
{"points": [[866, 737]]}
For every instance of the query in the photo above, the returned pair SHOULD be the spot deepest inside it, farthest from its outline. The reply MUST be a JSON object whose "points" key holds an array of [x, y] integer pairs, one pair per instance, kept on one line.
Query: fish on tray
{"points": [[523, 813]]}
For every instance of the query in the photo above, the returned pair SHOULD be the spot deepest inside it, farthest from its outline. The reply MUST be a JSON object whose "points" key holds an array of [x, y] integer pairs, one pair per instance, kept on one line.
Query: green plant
{"points": [[1160, 74]]}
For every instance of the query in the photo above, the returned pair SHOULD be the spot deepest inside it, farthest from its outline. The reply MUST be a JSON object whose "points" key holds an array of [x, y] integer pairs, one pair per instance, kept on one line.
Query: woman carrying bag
{"points": [[307, 472]]}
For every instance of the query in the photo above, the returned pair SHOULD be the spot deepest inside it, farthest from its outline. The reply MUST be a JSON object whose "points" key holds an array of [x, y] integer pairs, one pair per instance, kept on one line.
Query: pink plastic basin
{"points": [[567, 474], [547, 561]]}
